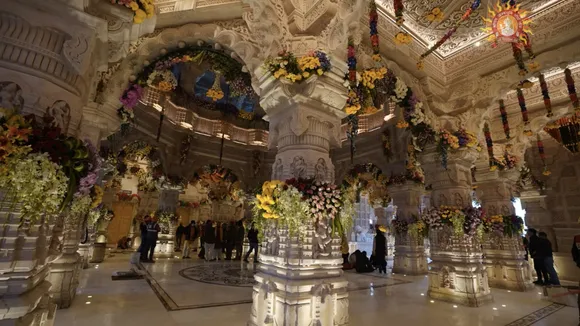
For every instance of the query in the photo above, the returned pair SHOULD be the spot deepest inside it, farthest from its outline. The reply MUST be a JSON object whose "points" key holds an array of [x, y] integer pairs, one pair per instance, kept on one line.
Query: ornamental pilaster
{"points": [[407, 199], [304, 123], [496, 189], [451, 186]]}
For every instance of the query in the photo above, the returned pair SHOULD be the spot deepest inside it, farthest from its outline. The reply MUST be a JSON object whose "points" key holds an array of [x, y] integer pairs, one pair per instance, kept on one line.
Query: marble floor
{"points": [[179, 292]]}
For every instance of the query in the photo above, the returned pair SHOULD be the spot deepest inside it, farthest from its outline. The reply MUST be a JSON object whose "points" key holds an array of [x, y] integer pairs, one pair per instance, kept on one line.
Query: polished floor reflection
{"points": [[192, 292]]}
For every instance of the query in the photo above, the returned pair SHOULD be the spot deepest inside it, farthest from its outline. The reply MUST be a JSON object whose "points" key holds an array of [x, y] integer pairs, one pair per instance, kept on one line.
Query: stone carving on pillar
{"points": [[298, 167], [60, 112], [321, 171], [278, 170], [11, 96]]}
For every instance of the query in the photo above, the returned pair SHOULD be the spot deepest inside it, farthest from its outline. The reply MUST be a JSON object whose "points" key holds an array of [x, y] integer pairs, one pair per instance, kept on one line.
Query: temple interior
{"points": [[289, 162]]}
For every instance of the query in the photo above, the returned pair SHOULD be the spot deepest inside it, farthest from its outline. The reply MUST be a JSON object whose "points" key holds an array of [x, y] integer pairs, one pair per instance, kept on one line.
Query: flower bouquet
{"points": [[142, 9], [454, 140], [467, 221], [506, 225], [287, 66], [166, 217], [163, 80]]}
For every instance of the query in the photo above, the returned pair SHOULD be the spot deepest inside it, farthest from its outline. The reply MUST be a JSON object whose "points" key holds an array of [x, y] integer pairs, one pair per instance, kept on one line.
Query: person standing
{"points": [[230, 240], [143, 245], [239, 243], [541, 272], [210, 238], [253, 240], [380, 251], [153, 230], [201, 228], [545, 251], [189, 235], [179, 235]]}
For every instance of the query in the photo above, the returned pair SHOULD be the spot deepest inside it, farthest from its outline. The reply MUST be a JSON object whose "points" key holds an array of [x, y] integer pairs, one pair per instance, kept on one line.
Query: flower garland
{"points": [[517, 53], [504, 119], [142, 9], [474, 6], [572, 89], [489, 143], [542, 154], [435, 15], [293, 69], [506, 225], [524, 110], [373, 22], [387, 146], [163, 80], [399, 8], [546, 96], [36, 183]]}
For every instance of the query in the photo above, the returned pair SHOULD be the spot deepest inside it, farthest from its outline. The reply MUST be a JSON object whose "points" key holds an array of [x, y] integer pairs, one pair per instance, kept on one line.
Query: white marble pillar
{"points": [[456, 273], [300, 282], [538, 215], [409, 255], [504, 256]]}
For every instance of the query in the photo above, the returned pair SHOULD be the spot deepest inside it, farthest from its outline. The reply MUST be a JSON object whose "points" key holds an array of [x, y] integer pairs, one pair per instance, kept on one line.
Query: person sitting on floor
{"points": [[363, 265]]}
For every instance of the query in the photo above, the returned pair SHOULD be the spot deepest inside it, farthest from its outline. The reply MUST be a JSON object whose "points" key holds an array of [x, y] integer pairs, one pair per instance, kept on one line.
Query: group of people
{"points": [[378, 260], [216, 240], [540, 249]]}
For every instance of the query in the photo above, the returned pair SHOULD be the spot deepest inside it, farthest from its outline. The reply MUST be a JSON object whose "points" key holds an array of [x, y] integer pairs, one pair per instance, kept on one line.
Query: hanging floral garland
{"points": [[387, 146], [546, 96], [142, 9], [572, 89], [489, 143], [518, 56], [474, 6], [504, 119], [215, 92], [373, 21], [524, 110], [435, 15], [542, 153]]}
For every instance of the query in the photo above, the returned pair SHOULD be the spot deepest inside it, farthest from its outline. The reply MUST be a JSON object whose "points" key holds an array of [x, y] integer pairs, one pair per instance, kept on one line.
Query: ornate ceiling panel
{"points": [[469, 33]]}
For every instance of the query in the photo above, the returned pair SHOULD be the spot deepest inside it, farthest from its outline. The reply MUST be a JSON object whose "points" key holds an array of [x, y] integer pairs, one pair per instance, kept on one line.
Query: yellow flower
{"points": [[420, 65], [133, 5], [352, 109], [320, 71], [306, 74], [403, 38], [402, 124], [430, 17], [533, 66], [370, 110], [436, 11], [528, 133], [280, 73], [493, 168], [376, 57]]}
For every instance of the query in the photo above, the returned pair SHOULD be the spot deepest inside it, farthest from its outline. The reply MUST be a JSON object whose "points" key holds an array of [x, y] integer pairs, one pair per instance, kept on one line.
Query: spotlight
{"points": [[454, 306], [494, 308], [88, 302], [432, 301], [422, 294], [503, 305], [90, 296]]}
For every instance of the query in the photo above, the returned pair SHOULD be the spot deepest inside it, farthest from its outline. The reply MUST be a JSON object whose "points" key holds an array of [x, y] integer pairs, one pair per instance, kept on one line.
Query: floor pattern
{"points": [[537, 315]]}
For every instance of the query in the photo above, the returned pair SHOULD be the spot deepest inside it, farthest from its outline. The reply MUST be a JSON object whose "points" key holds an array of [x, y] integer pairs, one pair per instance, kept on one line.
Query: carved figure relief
{"points": [[256, 162], [278, 170], [442, 200], [446, 279], [11, 96], [457, 200], [298, 167], [493, 210], [321, 171], [60, 112], [322, 239]]}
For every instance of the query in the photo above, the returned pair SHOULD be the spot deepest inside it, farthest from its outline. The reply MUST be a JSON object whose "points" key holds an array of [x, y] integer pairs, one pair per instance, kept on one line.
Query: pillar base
{"points": [[409, 255], [84, 253], [165, 246], [506, 267], [37, 301], [457, 272], [64, 277], [99, 251], [298, 285]]}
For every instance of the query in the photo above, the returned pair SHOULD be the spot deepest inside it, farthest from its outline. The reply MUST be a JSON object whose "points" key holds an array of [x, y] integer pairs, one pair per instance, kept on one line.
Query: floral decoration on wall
{"points": [[296, 69], [142, 9]]}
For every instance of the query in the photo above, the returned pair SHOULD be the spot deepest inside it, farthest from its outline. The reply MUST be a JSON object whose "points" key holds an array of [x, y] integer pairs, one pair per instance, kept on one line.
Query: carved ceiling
{"points": [[468, 34]]}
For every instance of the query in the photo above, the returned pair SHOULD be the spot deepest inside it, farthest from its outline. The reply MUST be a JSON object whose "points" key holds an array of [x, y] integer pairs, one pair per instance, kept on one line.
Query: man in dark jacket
{"points": [[153, 230], [230, 239], [179, 233], [143, 229], [239, 244], [541, 272], [189, 234], [253, 240], [544, 249], [210, 239]]}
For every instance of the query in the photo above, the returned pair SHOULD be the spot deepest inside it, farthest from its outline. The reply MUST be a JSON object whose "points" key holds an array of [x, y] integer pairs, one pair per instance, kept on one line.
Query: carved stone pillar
{"points": [[300, 281], [457, 273], [168, 199], [24, 296], [64, 271], [504, 256], [100, 243], [538, 215], [409, 256]]}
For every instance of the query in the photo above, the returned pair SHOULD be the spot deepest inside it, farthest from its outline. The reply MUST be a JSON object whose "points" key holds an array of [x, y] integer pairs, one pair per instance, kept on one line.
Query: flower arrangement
{"points": [[215, 92], [163, 80], [435, 15], [402, 38], [400, 226], [454, 140], [524, 110], [80, 206], [287, 66], [142, 9], [166, 217], [571, 89], [467, 221], [97, 213], [507, 225], [296, 203], [35, 182]]}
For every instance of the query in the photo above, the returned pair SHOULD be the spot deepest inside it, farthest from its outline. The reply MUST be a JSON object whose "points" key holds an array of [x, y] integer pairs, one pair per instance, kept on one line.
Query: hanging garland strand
{"points": [[474, 6], [572, 89], [546, 172], [518, 56], [546, 96], [504, 119], [522, 102], [353, 103], [373, 24], [399, 8], [489, 143]]}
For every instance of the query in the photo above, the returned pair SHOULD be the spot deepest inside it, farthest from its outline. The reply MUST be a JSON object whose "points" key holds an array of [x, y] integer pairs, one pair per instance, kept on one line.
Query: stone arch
{"points": [[173, 38]]}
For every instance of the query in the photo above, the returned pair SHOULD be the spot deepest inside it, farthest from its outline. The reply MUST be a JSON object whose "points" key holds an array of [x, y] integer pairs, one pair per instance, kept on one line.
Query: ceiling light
{"points": [[494, 308], [90, 296], [432, 301], [503, 305], [454, 306], [88, 302], [422, 294]]}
